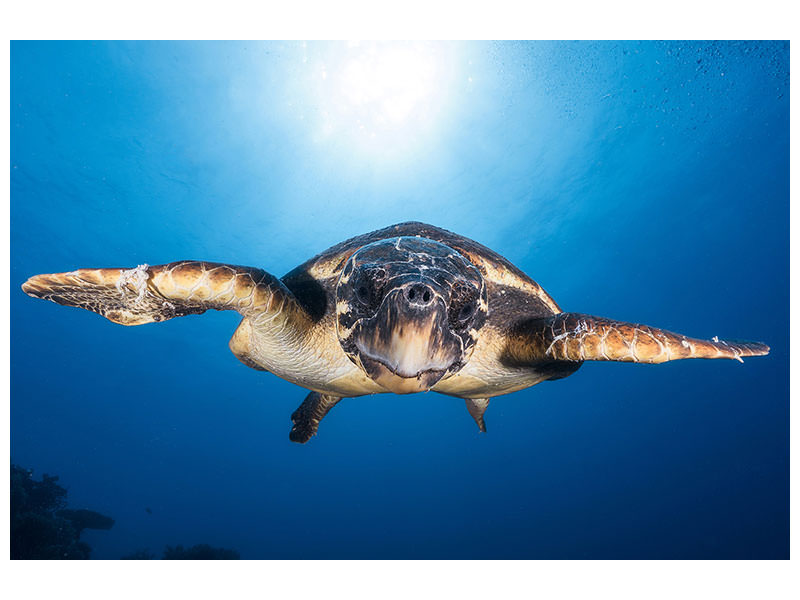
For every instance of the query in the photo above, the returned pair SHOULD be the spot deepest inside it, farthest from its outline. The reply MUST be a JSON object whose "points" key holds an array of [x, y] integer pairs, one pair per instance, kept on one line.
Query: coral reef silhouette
{"points": [[41, 526], [198, 552], [139, 555]]}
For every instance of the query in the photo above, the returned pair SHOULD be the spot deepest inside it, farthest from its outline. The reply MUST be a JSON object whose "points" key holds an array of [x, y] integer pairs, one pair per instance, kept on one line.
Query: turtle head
{"points": [[408, 312]]}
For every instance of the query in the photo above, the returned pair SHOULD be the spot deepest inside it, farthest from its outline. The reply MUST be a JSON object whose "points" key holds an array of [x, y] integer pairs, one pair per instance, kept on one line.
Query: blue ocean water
{"points": [[643, 181]]}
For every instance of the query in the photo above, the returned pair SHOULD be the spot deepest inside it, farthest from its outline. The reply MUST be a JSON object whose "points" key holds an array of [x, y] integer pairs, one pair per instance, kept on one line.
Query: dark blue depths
{"points": [[646, 182]]}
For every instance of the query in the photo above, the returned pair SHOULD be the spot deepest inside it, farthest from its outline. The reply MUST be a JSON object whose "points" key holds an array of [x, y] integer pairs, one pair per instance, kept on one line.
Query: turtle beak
{"points": [[407, 346]]}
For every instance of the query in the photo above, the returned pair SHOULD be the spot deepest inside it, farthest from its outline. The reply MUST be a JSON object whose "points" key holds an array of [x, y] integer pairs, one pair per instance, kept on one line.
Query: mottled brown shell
{"points": [[512, 294]]}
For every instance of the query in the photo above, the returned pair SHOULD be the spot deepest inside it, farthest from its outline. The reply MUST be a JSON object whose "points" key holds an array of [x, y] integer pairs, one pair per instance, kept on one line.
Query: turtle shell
{"points": [[512, 295]]}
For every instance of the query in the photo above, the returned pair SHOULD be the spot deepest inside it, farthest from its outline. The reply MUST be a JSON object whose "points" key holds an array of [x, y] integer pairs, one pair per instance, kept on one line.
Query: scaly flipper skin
{"points": [[150, 294], [308, 415], [577, 337]]}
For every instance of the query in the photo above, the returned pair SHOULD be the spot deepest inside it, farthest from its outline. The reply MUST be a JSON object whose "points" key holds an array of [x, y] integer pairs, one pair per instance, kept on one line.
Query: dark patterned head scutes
{"points": [[408, 311]]}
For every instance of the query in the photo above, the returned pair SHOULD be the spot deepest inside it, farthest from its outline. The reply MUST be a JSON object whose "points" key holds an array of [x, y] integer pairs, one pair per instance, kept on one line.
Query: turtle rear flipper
{"points": [[576, 337], [476, 408], [308, 415]]}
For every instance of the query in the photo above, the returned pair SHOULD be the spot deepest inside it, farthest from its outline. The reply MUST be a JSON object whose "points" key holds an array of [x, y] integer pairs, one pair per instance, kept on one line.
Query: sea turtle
{"points": [[405, 309]]}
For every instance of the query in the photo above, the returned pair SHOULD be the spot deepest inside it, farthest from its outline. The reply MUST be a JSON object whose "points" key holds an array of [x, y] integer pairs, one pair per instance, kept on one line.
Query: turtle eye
{"points": [[368, 287], [463, 306], [466, 311], [362, 293]]}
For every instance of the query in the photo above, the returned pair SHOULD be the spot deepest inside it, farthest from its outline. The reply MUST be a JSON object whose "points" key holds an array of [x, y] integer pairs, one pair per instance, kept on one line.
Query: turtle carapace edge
{"points": [[408, 308]]}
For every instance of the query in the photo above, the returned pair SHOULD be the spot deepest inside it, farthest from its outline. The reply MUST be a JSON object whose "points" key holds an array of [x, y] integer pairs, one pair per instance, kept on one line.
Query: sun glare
{"points": [[387, 87], [381, 97]]}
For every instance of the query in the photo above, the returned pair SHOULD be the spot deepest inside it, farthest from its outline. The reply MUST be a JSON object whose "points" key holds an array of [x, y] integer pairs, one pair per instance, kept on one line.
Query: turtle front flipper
{"points": [[576, 337], [308, 415], [145, 294], [148, 294]]}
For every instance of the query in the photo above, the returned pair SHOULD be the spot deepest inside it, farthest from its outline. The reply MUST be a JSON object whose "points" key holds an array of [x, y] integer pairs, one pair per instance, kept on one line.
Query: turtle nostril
{"points": [[419, 294]]}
